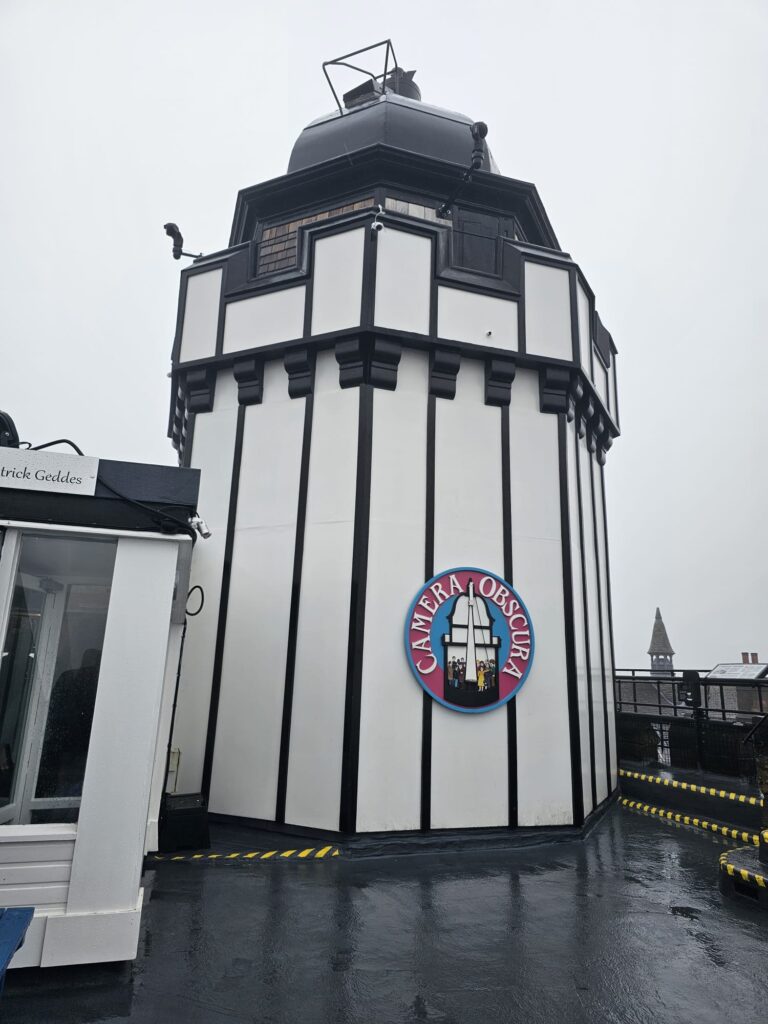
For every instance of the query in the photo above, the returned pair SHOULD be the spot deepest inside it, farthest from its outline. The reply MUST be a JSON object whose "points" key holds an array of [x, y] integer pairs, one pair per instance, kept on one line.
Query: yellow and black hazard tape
{"points": [[724, 794], [686, 819], [742, 873], [311, 853]]}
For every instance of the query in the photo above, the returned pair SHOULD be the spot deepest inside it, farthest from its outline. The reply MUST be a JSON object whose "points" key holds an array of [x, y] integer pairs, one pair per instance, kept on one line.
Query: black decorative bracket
{"points": [[499, 374], [443, 370], [249, 374], [554, 390], [300, 367], [200, 386], [368, 361]]}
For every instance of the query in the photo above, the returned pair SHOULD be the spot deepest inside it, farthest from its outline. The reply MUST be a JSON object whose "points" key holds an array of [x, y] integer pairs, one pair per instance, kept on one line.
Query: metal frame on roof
{"points": [[344, 62]]}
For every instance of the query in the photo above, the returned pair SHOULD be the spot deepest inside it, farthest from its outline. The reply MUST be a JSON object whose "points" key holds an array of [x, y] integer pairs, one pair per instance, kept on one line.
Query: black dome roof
{"points": [[389, 120]]}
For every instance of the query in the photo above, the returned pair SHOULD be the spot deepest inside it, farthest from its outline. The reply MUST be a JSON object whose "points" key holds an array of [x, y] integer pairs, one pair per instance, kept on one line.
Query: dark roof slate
{"points": [[659, 640]]}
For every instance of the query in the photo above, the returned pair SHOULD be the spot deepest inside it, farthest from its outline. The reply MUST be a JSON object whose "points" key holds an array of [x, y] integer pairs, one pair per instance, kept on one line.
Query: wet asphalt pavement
{"points": [[626, 927]]}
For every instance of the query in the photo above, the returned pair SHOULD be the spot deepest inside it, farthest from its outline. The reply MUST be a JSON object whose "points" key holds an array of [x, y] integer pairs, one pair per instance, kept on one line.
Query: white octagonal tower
{"points": [[378, 390]]}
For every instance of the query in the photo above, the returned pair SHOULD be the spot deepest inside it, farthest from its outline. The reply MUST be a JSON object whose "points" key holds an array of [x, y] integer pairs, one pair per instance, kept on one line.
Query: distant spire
{"points": [[659, 640]]}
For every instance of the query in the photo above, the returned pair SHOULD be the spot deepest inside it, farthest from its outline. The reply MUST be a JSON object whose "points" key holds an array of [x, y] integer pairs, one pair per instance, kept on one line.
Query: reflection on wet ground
{"points": [[627, 927]]}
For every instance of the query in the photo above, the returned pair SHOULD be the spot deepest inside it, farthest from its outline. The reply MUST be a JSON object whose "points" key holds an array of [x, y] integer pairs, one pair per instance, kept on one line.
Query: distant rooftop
{"points": [[659, 640]]}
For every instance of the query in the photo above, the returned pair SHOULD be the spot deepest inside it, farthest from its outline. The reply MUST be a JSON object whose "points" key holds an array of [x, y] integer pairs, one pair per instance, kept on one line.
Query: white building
{"points": [[376, 390]]}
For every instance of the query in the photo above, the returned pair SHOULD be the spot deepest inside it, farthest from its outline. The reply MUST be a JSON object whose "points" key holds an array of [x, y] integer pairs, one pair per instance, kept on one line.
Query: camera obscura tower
{"points": [[400, 395]]}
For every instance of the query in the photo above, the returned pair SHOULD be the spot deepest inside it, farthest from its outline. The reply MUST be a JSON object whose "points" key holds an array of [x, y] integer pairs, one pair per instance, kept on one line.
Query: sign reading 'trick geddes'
{"points": [[469, 639]]}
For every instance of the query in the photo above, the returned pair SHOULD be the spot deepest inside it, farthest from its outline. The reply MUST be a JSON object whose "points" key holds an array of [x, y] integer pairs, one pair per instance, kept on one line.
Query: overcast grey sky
{"points": [[642, 122]]}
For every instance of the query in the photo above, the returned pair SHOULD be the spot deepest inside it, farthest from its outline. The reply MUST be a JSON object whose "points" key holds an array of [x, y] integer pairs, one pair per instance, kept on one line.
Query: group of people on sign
{"points": [[456, 674]]}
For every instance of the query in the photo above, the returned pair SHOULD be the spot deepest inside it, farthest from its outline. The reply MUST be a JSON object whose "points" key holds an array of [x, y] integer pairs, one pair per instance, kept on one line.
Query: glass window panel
{"points": [[49, 674]]}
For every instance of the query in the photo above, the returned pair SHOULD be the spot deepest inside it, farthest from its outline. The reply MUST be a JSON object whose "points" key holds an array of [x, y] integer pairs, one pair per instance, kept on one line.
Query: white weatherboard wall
{"points": [[476, 319], [403, 281], [337, 283], [213, 444], [607, 659], [389, 779], [264, 319], [582, 683], [469, 751], [201, 316], [245, 762], [317, 721], [547, 311], [543, 741], [595, 654]]}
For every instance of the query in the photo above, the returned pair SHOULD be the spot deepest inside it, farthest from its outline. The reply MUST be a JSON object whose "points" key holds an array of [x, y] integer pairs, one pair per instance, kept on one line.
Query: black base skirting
{"points": [[387, 844]]}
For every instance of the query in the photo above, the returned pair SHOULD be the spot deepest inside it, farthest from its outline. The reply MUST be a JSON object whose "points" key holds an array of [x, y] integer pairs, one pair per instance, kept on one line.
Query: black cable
{"points": [[50, 444], [191, 615], [158, 516]]}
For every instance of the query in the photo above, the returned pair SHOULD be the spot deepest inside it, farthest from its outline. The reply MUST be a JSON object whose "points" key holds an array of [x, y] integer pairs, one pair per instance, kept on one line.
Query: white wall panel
{"points": [[106, 866], [264, 319], [213, 445], [469, 751], [582, 683], [247, 750], [585, 332], [317, 723], [201, 316], [389, 779], [403, 281], [476, 319], [600, 377], [543, 740], [607, 659], [547, 312], [595, 654], [337, 282]]}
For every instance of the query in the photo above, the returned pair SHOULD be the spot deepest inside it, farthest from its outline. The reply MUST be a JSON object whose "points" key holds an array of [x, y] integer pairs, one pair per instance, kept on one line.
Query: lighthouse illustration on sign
{"points": [[471, 653]]}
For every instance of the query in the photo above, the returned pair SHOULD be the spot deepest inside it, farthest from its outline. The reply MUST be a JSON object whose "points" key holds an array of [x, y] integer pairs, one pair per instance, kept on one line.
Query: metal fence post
{"points": [[693, 688]]}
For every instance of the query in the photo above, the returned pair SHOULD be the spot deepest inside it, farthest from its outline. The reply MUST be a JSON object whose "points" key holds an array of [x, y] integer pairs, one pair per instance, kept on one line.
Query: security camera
{"points": [[199, 524], [377, 224]]}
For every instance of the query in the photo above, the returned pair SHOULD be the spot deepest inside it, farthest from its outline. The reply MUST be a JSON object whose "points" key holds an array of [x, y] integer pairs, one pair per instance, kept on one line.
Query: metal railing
{"points": [[684, 720]]}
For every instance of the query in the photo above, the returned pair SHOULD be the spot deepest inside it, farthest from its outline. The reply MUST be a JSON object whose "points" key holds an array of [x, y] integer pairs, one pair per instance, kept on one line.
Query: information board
{"points": [[738, 671]]}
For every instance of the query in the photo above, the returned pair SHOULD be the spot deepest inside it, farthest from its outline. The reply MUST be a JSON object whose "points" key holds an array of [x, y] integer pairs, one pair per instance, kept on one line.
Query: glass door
{"points": [[49, 674], [19, 661]]}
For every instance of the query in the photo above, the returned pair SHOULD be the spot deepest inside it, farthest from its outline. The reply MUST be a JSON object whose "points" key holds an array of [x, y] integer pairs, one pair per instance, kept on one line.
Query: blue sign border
{"points": [[420, 593]]}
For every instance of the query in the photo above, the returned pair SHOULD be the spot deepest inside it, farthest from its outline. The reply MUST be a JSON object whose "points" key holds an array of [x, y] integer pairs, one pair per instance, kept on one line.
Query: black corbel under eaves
{"points": [[351, 359], [365, 360], [554, 389], [300, 367], [585, 410], [499, 374], [385, 359], [200, 387], [249, 374], [575, 395], [443, 369]]}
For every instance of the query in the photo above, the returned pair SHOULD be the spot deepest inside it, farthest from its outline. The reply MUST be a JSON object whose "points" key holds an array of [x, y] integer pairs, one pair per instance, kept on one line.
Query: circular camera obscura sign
{"points": [[469, 639]]}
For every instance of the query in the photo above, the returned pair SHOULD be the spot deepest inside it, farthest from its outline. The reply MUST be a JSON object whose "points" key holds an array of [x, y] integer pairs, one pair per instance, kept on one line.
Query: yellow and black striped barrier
{"points": [[310, 853], [734, 871], [724, 794], [687, 819]]}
